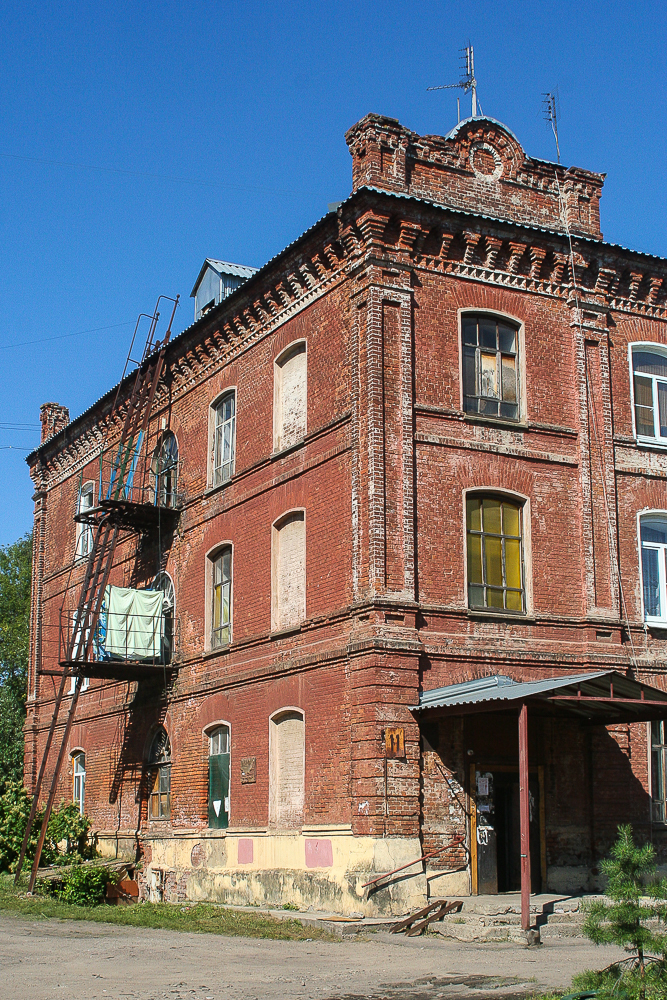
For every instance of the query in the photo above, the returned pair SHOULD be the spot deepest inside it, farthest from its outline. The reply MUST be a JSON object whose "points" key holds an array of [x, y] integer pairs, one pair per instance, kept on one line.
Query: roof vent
{"points": [[217, 279]]}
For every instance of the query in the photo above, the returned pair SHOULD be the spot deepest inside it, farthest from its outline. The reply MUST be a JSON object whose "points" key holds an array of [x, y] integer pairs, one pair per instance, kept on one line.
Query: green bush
{"points": [[85, 885], [14, 811], [66, 827]]}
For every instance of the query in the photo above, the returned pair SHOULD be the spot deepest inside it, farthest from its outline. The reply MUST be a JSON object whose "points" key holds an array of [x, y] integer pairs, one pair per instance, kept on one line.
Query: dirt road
{"points": [[54, 959]]}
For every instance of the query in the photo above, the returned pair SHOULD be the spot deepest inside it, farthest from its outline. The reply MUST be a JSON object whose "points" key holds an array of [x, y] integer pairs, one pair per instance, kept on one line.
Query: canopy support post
{"points": [[524, 816]]}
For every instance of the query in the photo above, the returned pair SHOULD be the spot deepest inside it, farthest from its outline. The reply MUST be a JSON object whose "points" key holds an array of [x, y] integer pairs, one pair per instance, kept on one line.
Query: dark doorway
{"points": [[498, 832]]}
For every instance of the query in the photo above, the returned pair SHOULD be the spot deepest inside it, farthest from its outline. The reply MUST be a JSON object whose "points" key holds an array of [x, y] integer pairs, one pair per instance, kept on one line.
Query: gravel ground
{"points": [[49, 959]]}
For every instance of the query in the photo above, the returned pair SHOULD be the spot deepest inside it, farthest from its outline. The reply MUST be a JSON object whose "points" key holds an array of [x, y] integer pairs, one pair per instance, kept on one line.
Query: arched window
{"points": [[290, 397], [495, 553], [218, 778], [79, 780], [224, 438], [164, 468], [159, 764], [287, 769], [649, 369], [653, 531], [288, 578], [490, 366], [164, 583], [84, 532], [221, 596]]}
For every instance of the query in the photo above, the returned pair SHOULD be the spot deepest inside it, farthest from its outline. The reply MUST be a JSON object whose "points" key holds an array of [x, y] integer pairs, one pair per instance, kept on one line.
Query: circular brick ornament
{"points": [[486, 161]]}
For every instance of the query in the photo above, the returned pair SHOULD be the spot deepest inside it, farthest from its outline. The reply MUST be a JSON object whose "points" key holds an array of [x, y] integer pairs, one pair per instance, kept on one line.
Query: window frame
{"points": [[229, 391], [156, 771], [208, 733], [523, 502], [84, 530], [209, 617], [276, 625], [658, 804], [78, 798], [651, 347], [519, 325], [657, 515], [278, 363], [171, 498]]}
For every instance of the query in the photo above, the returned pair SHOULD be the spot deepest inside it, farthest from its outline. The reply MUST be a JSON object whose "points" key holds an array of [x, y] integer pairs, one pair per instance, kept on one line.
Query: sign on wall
{"points": [[248, 770], [394, 741]]}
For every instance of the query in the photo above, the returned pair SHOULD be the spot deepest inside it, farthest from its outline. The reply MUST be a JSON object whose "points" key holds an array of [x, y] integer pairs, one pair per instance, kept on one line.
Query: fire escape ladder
{"points": [[78, 648]]}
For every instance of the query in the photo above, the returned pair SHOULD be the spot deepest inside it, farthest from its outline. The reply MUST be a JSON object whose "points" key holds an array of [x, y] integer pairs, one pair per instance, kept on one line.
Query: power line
{"points": [[18, 427], [13, 447], [64, 336]]}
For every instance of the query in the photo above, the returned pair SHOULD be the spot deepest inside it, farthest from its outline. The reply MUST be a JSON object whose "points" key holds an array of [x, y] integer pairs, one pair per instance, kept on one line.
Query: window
{"points": [[289, 397], [224, 438], [490, 366], [658, 772], [495, 556], [649, 368], [221, 592], [84, 532], [79, 780], [164, 469], [653, 531], [218, 778], [288, 578], [164, 583], [159, 764], [287, 769]]}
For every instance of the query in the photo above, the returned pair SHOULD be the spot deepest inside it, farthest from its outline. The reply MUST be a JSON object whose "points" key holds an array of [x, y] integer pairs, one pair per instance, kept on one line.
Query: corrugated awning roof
{"points": [[604, 696]]}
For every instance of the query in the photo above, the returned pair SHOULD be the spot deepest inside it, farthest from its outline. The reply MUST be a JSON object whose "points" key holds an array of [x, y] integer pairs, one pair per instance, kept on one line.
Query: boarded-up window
{"points": [[287, 770], [289, 398], [289, 571]]}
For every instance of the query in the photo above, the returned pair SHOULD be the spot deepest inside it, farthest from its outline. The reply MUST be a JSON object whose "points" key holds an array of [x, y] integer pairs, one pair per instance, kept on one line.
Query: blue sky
{"points": [[136, 139]]}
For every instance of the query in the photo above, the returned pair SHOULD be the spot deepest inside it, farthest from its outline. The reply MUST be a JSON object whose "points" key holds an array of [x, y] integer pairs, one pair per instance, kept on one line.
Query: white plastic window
{"points": [[79, 780], [221, 590], [653, 531], [84, 541], [224, 439], [649, 370]]}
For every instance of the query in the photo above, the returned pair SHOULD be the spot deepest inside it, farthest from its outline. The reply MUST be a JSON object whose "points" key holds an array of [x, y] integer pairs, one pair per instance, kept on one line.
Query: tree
{"points": [[15, 584], [634, 919]]}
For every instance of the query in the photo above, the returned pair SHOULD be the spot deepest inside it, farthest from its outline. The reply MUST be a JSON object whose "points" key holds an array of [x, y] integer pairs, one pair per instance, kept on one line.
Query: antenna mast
{"points": [[550, 102], [468, 83]]}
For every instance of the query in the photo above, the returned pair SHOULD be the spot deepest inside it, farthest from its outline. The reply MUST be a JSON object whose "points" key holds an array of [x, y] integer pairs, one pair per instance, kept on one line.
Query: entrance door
{"points": [[498, 832]]}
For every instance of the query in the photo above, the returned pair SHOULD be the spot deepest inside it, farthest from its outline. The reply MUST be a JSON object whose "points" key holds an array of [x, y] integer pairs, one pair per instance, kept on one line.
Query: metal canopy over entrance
{"points": [[605, 697]]}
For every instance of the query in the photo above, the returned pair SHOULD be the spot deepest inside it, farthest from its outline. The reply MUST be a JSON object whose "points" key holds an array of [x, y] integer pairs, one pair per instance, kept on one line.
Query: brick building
{"points": [[408, 482]]}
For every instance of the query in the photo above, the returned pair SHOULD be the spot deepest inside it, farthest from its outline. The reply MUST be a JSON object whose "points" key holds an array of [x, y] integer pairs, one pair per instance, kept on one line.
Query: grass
{"points": [[198, 918]]}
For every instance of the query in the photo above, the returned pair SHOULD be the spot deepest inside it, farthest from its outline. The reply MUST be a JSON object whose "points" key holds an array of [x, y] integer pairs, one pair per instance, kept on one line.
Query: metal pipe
{"points": [[524, 816], [457, 840]]}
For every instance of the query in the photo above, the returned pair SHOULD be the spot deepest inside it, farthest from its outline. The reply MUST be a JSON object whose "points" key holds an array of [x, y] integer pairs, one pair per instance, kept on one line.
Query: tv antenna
{"points": [[468, 83], [551, 111]]}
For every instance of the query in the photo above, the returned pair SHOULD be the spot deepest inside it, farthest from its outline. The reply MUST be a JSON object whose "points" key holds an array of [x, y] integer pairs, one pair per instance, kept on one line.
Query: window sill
{"points": [[512, 616], [516, 425], [652, 443], [216, 651], [210, 490], [282, 633], [282, 452]]}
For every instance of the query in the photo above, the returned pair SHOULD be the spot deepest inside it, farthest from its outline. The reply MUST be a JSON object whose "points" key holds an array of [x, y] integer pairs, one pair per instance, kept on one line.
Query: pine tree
{"points": [[637, 898]]}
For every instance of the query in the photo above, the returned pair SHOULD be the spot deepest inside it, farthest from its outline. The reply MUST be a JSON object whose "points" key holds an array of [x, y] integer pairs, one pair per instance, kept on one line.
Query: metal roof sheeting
{"points": [[223, 267], [599, 692]]}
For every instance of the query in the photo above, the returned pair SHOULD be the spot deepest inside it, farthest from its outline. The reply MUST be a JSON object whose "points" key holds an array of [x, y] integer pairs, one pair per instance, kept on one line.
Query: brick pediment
{"points": [[479, 167]]}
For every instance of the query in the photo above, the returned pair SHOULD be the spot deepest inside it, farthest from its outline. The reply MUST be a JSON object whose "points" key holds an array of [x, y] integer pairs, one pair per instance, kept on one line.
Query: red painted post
{"points": [[524, 817]]}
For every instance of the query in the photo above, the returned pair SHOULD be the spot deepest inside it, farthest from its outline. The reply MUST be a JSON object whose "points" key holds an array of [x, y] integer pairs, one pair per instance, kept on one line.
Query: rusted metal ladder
{"points": [[81, 636]]}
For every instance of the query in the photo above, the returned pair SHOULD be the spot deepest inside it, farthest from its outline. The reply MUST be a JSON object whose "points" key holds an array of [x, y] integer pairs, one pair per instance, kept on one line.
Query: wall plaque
{"points": [[248, 770]]}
